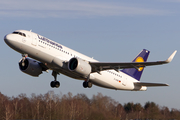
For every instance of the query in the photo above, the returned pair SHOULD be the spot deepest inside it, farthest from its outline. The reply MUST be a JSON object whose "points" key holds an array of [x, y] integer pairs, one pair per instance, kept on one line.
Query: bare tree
{"points": [[58, 106]]}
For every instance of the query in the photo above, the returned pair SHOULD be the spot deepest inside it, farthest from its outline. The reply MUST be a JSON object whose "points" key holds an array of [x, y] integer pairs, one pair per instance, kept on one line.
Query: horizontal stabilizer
{"points": [[149, 84]]}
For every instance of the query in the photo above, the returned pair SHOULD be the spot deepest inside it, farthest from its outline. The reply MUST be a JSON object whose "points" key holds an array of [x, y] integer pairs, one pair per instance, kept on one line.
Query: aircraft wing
{"points": [[100, 66], [149, 84]]}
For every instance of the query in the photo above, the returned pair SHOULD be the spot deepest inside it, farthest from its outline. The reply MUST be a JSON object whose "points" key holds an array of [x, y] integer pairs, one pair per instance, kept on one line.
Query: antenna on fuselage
{"points": [[31, 30]]}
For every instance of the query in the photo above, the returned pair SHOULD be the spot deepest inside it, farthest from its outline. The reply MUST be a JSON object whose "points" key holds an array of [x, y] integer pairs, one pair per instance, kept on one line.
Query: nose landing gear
{"points": [[24, 56], [55, 83]]}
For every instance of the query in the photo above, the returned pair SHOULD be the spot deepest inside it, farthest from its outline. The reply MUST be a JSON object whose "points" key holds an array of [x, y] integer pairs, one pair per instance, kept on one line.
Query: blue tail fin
{"points": [[142, 57]]}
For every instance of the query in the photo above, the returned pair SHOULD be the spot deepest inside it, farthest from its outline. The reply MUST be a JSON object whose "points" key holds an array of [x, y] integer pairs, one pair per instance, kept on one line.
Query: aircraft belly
{"points": [[109, 81], [70, 74], [102, 81]]}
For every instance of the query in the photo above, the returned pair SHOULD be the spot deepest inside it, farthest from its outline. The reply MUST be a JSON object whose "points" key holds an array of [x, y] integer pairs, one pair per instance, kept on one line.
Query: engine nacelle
{"points": [[80, 66], [30, 67]]}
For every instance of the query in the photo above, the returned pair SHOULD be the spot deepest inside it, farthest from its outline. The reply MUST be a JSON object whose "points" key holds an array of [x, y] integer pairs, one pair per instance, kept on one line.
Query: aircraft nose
{"points": [[8, 38]]}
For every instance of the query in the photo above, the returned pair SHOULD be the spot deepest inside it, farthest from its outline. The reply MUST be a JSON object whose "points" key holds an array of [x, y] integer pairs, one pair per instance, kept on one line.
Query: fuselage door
{"points": [[34, 39], [124, 82]]}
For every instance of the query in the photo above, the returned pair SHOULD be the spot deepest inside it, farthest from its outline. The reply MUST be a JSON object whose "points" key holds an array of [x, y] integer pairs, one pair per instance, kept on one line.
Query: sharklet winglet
{"points": [[171, 57]]}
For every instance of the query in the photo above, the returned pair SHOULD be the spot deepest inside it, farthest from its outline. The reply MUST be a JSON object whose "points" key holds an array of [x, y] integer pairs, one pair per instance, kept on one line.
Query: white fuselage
{"points": [[48, 51]]}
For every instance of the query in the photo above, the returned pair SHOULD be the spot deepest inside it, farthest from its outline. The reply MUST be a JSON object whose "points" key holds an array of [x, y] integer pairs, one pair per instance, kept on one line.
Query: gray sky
{"points": [[109, 31]]}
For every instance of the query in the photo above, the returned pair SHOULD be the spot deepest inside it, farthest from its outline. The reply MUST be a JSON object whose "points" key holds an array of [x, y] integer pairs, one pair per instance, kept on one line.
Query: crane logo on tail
{"points": [[140, 59]]}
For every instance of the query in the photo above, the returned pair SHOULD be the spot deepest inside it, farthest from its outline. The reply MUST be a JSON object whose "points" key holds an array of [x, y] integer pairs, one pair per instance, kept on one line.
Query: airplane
{"points": [[42, 54]]}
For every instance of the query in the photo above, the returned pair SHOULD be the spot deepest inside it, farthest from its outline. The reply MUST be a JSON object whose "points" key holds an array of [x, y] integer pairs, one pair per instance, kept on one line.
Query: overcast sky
{"points": [[109, 31]]}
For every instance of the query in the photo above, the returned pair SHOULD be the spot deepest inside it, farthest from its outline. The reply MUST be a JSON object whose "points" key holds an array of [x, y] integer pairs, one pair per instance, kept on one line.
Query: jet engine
{"points": [[30, 67], [80, 66]]}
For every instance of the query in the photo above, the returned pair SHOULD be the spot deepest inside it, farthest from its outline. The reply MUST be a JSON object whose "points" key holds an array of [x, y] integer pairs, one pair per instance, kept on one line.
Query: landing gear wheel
{"points": [[52, 84], [55, 84], [23, 64], [87, 84]]}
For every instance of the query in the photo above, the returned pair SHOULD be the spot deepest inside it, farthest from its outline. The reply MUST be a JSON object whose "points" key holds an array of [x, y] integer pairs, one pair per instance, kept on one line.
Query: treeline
{"points": [[52, 106]]}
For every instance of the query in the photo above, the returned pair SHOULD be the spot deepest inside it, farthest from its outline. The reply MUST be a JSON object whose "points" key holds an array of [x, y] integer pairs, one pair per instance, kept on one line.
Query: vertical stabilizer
{"points": [[136, 73]]}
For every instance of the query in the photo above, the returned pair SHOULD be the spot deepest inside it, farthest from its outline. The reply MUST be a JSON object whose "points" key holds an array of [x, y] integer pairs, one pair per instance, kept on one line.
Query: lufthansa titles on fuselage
{"points": [[49, 41]]}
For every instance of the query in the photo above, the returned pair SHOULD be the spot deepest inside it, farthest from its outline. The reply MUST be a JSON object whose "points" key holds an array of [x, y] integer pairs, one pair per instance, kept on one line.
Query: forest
{"points": [[51, 106]]}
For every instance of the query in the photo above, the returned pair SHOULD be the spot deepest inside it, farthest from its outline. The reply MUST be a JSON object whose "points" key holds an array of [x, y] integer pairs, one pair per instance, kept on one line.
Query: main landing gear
{"points": [[55, 83], [87, 84]]}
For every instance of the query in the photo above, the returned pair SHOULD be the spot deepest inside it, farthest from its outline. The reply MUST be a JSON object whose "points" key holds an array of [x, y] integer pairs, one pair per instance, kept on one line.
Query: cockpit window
{"points": [[19, 33]]}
